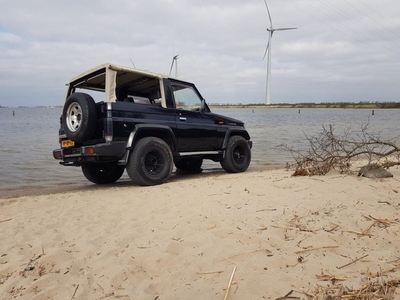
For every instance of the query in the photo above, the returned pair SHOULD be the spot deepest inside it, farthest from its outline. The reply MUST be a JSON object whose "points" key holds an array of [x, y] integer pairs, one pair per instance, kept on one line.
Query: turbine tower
{"points": [[174, 61], [268, 49]]}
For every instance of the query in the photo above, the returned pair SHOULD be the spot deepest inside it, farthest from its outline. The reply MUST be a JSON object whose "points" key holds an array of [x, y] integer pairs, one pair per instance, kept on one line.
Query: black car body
{"points": [[144, 122]]}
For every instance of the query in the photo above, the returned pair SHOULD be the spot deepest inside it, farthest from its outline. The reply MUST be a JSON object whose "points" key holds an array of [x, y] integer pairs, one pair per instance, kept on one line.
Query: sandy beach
{"points": [[254, 235]]}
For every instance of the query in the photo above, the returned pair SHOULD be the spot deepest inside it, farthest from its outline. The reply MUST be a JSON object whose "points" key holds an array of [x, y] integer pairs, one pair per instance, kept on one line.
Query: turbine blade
{"points": [[269, 15], [281, 29], [132, 63], [172, 65], [266, 48], [265, 53]]}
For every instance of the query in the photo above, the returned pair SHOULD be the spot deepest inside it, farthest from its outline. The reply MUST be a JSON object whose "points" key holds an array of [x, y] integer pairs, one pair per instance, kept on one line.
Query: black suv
{"points": [[145, 123]]}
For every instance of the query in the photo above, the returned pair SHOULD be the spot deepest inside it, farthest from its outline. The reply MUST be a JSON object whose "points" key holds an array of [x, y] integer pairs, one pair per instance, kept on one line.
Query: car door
{"points": [[195, 128]]}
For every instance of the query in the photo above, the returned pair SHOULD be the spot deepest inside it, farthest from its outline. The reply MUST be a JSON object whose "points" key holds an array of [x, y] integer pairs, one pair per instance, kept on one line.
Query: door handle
{"points": [[183, 119]]}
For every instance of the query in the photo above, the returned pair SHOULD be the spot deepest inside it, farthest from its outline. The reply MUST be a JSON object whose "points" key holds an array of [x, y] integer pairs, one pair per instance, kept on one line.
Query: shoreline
{"points": [[313, 106], [83, 184], [350, 105], [182, 239]]}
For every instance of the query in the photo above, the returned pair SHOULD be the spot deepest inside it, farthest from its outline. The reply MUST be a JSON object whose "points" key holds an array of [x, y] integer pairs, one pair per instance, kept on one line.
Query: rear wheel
{"points": [[103, 173], [189, 164], [237, 155], [150, 162]]}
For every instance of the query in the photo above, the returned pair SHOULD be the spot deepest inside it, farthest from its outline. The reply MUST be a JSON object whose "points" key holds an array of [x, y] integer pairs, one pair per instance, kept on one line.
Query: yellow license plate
{"points": [[67, 143]]}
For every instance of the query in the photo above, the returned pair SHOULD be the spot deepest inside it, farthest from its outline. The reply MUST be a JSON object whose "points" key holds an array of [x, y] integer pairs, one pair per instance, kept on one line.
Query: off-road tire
{"points": [[150, 162], [192, 165], [237, 155], [103, 173], [79, 117]]}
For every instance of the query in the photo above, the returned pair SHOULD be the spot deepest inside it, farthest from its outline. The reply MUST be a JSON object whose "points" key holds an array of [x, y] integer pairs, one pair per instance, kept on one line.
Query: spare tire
{"points": [[79, 117]]}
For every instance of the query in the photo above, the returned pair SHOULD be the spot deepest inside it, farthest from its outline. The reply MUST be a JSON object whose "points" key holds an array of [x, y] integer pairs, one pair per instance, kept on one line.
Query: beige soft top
{"points": [[104, 78], [110, 66]]}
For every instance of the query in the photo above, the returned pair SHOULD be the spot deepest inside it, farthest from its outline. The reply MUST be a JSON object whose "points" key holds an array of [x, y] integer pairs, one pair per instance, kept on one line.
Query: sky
{"points": [[341, 51]]}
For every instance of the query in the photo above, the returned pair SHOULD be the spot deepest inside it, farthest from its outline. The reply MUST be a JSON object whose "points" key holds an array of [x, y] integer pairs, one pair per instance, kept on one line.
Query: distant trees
{"points": [[361, 104]]}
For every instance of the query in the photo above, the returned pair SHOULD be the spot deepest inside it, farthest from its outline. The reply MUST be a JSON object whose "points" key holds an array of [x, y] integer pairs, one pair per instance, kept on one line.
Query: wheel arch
{"points": [[145, 130], [235, 131]]}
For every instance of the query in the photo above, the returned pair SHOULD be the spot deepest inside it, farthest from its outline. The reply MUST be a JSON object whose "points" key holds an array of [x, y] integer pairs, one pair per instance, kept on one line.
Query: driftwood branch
{"points": [[328, 151]]}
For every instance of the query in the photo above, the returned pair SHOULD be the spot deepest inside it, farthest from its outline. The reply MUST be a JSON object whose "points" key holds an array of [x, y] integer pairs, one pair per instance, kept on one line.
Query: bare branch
{"points": [[328, 151]]}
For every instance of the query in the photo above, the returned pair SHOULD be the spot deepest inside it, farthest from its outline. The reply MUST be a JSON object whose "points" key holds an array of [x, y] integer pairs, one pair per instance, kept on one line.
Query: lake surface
{"points": [[29, 137]]}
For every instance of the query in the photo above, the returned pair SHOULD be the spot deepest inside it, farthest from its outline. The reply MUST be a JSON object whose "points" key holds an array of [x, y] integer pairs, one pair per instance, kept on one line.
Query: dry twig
{"points": [[369, 291], [332, 229], [331, 278], [230, 283], [288, 296], [313, 249], [364, 233], [381, 273], [396, 191], [211, 272], [73, 296], [266, 209], [269, 252], [352, 262], [384, 222]]}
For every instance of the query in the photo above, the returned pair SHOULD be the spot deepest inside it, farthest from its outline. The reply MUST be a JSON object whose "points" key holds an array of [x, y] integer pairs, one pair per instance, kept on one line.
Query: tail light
{"points": [[108, 125]]}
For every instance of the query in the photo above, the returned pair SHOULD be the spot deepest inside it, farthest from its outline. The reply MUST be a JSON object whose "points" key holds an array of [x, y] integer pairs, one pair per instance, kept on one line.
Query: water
{"points": [[270, 128], [27, 142], [29, 137]]}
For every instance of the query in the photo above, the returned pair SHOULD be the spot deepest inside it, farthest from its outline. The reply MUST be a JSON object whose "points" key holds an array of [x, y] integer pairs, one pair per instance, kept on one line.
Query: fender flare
{"points": [[140, 128], [235, 131]]}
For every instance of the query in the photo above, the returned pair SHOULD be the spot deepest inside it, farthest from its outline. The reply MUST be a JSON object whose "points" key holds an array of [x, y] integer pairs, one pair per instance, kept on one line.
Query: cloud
{"points": [[339, 50]]}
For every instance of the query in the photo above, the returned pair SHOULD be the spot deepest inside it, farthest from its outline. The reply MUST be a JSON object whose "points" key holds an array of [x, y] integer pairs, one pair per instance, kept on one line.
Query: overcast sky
{"points": [[343, 50]]}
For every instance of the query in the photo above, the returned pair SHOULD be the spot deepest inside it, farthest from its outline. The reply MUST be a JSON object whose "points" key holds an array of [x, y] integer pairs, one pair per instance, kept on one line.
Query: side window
{"points": [[186, 97]]}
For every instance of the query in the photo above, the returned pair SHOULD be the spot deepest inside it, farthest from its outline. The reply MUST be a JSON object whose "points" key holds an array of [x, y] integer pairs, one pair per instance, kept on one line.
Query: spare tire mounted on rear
{"points": [[79, 117]]}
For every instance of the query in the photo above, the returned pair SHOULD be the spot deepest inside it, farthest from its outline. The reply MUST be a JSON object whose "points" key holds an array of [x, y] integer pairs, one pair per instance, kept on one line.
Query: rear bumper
{"points": [[112, 151]]}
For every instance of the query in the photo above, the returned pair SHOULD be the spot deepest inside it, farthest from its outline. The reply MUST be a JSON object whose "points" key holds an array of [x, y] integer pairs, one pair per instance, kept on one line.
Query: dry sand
{"points": [[183, 239]]}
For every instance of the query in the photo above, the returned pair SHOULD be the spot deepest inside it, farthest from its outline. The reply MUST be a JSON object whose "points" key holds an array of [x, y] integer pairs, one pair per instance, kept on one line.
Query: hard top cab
{"points": [[146, 123]]}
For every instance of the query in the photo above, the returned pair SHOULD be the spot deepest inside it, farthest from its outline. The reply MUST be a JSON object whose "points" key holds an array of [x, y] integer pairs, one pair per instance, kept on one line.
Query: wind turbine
{"points": [[268, 49], [133, 64], [174, 61]]}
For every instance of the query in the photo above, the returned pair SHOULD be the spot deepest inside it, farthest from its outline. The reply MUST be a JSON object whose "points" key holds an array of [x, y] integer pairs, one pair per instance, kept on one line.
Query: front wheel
{"points": [[237, 155], [102, 173], [150, 162]]}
